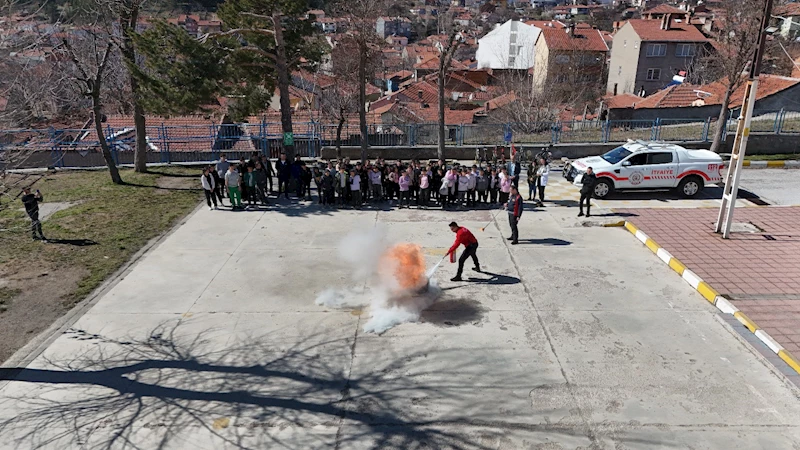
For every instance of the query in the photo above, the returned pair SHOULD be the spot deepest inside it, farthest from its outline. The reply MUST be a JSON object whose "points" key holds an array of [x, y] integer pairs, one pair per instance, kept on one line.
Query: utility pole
{"points": [[725, 218]]}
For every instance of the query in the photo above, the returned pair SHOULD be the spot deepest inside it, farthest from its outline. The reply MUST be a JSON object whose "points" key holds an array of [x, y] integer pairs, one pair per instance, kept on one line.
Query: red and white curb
{"points": [[713, 296]]}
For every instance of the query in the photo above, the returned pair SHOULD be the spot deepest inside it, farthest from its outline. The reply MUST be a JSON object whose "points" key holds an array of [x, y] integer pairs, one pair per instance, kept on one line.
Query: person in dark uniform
{"points": [[587, 189], [31, 202], [284, 169], [514, 208], [465, 237]]}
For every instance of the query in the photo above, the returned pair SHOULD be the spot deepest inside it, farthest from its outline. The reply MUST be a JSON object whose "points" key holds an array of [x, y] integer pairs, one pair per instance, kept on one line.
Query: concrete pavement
{"points": [[577, 338]]}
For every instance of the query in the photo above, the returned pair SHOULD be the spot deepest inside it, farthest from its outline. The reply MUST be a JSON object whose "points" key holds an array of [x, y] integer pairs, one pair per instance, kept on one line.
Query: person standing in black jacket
{"points": [[588, 181], [31, 202], [284, 169]]}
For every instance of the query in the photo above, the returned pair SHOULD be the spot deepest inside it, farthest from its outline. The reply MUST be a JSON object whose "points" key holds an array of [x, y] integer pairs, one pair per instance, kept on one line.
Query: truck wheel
{"points": [[603, 188], [691, 187]]}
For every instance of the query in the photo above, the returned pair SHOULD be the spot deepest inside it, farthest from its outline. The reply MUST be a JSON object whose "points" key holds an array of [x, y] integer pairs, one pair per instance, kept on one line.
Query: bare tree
{"points": [[339, 101], [363, 37], [736, 31], [128, 13], [447, 49], [89, 59]]}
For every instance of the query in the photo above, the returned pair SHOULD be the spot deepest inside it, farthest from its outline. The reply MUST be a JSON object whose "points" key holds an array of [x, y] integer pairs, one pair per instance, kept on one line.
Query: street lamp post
{"points": [[725, 217]]}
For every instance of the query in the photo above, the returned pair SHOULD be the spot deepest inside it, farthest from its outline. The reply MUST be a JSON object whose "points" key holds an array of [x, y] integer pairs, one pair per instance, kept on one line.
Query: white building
{"points": [[508, 46]]}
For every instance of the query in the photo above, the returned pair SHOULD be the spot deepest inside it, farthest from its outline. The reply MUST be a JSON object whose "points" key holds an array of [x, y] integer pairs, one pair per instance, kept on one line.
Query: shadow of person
{"points": [[73, 242], [546, 241]]}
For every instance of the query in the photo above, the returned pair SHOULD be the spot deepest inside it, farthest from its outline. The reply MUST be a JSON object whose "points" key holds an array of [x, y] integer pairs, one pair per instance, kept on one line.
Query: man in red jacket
{"points": [[463, 236]]}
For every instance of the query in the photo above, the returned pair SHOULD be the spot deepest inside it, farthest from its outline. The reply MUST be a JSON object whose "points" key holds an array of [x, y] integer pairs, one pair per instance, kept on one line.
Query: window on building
{"points": [[653, 74], [685, 50], [512, 60], [655, 50], [619, 70], [562, 59]]}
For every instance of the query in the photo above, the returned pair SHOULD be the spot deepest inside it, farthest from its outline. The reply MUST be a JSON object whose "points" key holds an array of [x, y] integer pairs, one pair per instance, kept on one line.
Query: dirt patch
{"points": [[166, 184], [37, 297]]}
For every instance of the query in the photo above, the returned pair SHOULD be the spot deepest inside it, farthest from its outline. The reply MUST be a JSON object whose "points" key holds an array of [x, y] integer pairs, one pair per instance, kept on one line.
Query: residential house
{"points": [[646, 54], [571, 56], [189, 22], [509, 46], [316, 14], [687, 101], [788, 20], [387, 26], [397, 42], [658, 12]]}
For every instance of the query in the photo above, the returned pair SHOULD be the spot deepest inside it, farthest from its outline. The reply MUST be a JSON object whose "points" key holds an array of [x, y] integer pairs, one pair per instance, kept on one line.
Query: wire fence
{"points": [[197, 143]]}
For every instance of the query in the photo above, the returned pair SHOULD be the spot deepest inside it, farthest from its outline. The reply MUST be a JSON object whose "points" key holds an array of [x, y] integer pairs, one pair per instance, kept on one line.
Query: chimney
{"points": [[419, 93], [666, 22], [571, 29]]}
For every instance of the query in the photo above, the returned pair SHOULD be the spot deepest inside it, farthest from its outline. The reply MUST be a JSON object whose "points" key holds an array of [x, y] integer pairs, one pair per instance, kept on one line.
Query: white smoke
{"points": [[362, 251]]}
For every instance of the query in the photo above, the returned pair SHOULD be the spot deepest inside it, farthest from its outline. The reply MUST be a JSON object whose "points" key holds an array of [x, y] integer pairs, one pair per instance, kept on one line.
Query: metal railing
{"points": [[191, 143]]}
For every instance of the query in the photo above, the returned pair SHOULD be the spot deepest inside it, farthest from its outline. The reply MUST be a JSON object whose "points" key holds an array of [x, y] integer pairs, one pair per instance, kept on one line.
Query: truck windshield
{"points": [[616, 155]]}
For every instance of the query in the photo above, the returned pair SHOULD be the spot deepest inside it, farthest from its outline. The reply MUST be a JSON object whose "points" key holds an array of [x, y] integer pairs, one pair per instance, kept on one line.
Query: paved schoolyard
{"points": [[577, 338], [758, 270]]}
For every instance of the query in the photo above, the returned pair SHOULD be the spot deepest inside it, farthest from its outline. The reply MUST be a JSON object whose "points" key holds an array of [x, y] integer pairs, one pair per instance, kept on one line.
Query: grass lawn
{"points": [[104, 226], [779, 157]]}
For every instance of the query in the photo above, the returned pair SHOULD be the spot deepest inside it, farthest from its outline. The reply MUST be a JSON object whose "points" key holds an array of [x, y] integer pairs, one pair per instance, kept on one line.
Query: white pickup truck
{"points": [[650, 165]]}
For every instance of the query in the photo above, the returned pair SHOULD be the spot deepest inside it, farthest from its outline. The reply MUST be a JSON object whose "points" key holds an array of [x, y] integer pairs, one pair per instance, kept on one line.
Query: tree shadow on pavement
{"points": [[170, 386]]}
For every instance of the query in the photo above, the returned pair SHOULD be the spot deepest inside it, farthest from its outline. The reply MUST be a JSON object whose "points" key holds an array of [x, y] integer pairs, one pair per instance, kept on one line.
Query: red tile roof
{"points": [[650, 30], [432, 63], [664, 9], [788, 10], [545, 23], [584, 39], [688, 95], [621, 101]]}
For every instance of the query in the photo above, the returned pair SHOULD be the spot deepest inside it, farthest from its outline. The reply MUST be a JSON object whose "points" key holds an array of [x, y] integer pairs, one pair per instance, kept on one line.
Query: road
{"points": [[777, 186], [577, 338]]}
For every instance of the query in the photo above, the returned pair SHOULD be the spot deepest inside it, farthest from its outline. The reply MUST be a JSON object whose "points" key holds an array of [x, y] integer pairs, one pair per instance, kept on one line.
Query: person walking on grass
{"points": [[232, 180], [514, 208], [31, 202], [588, 181], [467, 239], [209, 188]]}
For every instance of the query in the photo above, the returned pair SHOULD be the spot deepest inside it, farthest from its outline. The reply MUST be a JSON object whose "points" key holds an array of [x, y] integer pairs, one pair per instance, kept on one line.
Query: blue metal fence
{"points": [[189, 143]]}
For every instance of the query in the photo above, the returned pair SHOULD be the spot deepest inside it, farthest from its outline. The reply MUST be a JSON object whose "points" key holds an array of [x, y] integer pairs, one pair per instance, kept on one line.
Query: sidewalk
{"points": [[758, 271]]}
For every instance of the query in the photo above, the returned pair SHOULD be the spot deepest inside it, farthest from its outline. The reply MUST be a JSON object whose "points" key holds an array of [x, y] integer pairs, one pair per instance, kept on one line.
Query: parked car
{"points": [[650, 165]]}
